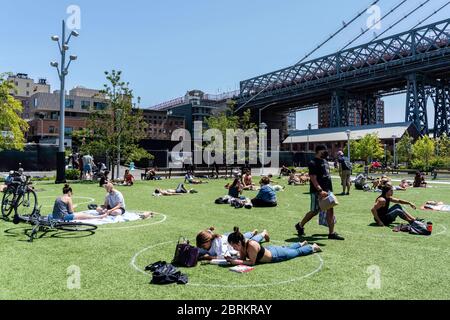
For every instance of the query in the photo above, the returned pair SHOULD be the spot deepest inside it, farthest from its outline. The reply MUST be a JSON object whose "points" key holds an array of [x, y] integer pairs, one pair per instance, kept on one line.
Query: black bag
{"points": [[185, 254], [164, 273]]}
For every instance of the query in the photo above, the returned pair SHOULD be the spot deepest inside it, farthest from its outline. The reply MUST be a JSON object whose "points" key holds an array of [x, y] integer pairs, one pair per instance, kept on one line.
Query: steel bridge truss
{"points": [[441, 100]]}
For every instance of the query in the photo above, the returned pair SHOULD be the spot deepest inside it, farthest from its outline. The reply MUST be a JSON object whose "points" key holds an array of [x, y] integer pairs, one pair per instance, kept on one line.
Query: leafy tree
{"points": [[423, 151], [118, 124], [11, 122], [443, 146], [370, 147], [404, 148]]}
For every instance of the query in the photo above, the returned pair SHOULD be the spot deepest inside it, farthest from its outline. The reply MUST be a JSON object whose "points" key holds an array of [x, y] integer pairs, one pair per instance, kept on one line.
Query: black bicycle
{"points": [[19, 196], [46, 224]]}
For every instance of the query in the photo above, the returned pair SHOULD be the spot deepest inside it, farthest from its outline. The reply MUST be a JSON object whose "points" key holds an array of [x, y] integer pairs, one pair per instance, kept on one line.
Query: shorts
{"points": [[122, 209], [345, 178], [87, 168], [315, 208]]}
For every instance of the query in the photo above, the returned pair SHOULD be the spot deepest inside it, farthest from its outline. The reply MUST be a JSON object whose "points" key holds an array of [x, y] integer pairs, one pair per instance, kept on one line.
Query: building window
{"points": [[28, 93], [68, 131], [100, 105], [28, 84], [51, 129], [70, 103], [85, 105]]}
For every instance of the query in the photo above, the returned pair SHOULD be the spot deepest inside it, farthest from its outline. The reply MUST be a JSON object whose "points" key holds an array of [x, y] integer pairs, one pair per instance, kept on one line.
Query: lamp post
{"points": [[63, 71], [348, 132], [262, 126], [118, 116], [385, 154], [262, 109], [41, 117], [394, 137]]}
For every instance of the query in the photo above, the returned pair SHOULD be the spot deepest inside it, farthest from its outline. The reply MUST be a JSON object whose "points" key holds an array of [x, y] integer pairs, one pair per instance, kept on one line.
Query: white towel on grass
{"points": [[126, 217]]}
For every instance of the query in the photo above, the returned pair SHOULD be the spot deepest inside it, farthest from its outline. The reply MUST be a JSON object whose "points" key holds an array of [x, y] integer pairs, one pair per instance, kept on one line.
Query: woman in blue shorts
{"points": [[63, 208]]}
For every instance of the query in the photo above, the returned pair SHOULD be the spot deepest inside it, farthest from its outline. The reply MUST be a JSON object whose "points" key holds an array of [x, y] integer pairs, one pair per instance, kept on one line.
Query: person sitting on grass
{"points": [[114, 202], [419, 180], [104, 178], [189, 177], [179, 191], [247, 182], [63, 208], [294, 179], [284, 171], [128, 179], [385, 215], [266, 196], [235, 189], [251, 252], [215, 246]]}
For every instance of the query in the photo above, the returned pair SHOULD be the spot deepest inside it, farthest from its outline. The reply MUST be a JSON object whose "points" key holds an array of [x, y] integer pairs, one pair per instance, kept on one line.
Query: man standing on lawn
{"points": [[345, 171], [320, 185]]}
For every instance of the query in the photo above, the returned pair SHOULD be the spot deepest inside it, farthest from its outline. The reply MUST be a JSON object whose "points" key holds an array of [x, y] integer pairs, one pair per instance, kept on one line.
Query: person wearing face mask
{"points": [[320, 185]]}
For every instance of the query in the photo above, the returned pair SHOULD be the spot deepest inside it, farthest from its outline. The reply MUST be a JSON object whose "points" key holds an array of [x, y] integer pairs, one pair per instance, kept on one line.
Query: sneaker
{"points": [[300, 230], [335, 236], [348, 193]]}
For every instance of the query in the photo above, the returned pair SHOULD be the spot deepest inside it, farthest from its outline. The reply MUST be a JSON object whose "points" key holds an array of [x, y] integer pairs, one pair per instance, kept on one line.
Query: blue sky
{"points": [[166, 48]]}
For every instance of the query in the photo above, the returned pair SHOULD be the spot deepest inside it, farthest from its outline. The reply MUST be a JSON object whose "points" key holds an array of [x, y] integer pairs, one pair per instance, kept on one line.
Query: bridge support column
{"points": [[416, 103], [441, 100], [339, 109]]}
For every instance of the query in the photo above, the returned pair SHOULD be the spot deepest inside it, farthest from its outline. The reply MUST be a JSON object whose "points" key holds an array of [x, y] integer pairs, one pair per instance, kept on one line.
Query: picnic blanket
{"points": [[126, 217]]}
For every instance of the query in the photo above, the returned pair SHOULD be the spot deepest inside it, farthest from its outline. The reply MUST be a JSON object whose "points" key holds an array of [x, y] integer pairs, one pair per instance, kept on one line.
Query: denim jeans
{"points": [[295, 250], [393, 213]]}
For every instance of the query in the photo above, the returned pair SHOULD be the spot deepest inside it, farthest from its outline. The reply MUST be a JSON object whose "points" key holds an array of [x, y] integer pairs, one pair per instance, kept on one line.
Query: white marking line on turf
{"points": [[318, 269], [137, 226], [91, 200]]}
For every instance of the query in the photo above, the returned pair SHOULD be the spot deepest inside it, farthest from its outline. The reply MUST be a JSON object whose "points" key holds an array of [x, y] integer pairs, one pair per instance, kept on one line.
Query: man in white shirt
{"points": [[114, 202]]}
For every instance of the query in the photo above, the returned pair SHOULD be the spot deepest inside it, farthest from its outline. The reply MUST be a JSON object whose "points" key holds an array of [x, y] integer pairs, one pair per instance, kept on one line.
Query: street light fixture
{"points": [[262, 127], [63, 46], [348, 132]]}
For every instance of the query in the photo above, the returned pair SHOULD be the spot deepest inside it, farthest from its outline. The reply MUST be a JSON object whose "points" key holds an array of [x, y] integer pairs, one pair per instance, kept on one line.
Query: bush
{"points": [[72, 174]]}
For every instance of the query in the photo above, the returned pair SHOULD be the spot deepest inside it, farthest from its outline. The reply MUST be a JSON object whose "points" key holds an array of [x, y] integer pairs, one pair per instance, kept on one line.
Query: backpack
{"points": [[185, 254], [164, 273], [420, 228], [348, 164]]}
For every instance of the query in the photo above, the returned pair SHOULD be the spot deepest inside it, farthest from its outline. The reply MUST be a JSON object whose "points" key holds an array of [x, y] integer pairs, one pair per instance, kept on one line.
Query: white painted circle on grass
{"points": [[318, 269]]}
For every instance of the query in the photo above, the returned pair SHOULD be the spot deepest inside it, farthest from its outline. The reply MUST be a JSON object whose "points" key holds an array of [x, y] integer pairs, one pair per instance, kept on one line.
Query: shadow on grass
{"points": [[46, 234], [314, 238]]}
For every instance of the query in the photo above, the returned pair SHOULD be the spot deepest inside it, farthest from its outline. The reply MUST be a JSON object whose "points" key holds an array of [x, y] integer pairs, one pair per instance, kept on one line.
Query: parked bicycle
{"points": [[46, 224], [18, 196]]}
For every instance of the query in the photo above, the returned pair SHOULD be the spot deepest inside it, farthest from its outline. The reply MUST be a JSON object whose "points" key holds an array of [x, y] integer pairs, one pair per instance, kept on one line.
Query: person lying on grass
{"points": [[266, 196], [251, 252], [189, 177], [179, 191], [215, 246], [63, 208], [385, 215]]}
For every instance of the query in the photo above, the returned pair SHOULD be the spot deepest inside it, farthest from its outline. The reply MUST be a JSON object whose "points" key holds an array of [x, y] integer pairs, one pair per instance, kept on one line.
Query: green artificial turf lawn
{"points": [[412, 267]]}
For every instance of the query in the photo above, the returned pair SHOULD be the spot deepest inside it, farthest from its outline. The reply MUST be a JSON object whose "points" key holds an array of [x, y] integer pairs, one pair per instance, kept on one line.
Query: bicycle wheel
{"points": [[75, 226], [8, 202], [27, 203]]}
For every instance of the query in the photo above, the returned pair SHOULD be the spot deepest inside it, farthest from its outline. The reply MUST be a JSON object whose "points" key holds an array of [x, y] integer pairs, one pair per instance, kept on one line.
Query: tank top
{"points": [[382, 212], [261, 251], [60, 209]]}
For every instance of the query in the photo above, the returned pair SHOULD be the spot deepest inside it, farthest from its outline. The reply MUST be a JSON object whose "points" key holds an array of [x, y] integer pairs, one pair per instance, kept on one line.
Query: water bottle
{"points": [[430, 226]]}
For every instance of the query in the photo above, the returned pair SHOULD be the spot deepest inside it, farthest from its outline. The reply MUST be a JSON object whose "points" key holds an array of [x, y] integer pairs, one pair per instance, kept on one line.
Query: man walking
{"points": [[320, 185], [345, 172]]}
